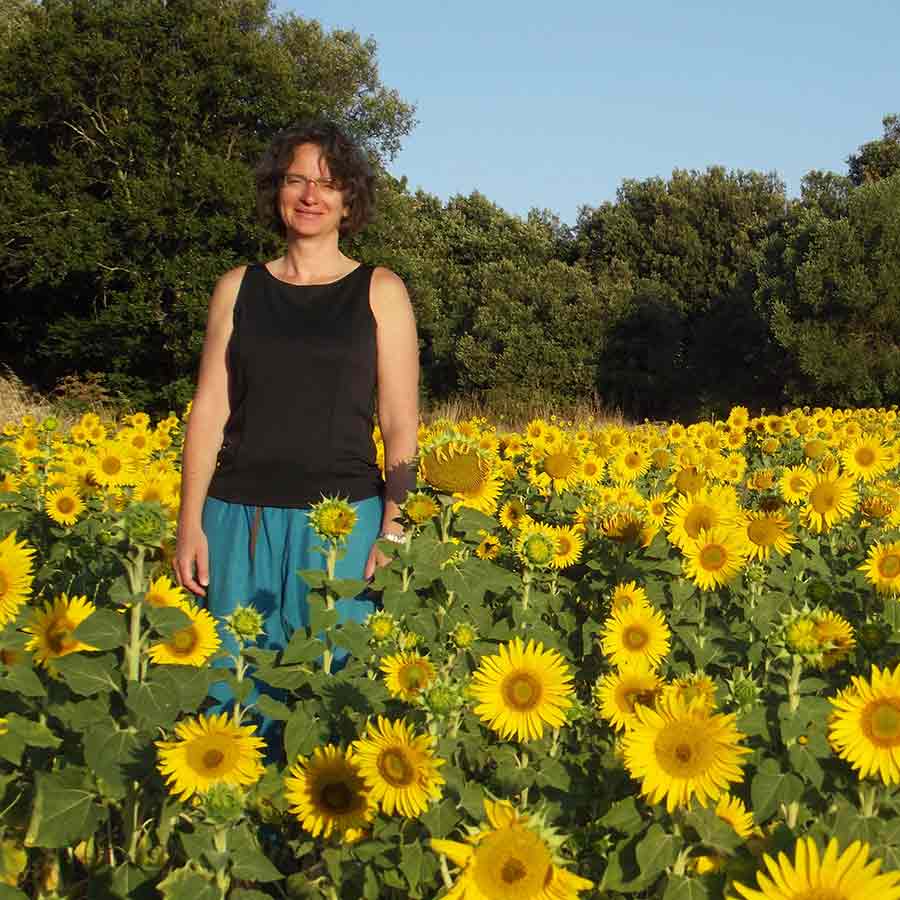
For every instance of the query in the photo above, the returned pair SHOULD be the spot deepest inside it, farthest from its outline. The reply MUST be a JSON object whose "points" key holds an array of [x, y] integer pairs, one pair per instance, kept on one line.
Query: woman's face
{"points": [[311, 202]]}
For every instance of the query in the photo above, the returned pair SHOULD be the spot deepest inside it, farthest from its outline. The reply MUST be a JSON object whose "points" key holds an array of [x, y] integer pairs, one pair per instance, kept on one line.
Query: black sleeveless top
{"points": [[301, 385]]}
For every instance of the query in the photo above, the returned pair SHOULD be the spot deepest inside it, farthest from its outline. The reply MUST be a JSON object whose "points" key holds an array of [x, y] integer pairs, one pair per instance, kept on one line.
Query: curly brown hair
{"points": [[347, 163]]}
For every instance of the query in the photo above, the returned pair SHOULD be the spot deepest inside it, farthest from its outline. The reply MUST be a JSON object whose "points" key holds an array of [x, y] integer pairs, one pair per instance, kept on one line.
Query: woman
{"points": [[295, 351]]}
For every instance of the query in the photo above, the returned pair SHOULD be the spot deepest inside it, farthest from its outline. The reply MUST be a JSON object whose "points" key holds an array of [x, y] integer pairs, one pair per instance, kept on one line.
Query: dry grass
{"points": [[18, 400], [73, 396]]}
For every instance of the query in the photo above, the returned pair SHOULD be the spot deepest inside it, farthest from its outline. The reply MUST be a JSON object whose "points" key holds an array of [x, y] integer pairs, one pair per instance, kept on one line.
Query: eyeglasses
{"points": [[299, 182]]}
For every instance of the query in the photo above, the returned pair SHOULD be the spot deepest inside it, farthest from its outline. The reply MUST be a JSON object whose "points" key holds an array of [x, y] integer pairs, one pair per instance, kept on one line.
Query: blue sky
{"points": [[552, 105]]}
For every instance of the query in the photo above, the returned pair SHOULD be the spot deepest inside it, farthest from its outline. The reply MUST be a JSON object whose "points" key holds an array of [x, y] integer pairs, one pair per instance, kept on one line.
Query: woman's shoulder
{"points": [[227, 288], [386, 286]]}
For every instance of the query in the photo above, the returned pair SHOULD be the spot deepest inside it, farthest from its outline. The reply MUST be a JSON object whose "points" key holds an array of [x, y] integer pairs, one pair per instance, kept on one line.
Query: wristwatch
{"points": [[392, 537]]}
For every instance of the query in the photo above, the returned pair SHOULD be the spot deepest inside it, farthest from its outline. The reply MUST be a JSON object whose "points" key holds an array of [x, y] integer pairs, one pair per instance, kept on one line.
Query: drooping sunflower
{"points": [[835, 876], [399, 768], [210, 750], [16, 568], [327, 793], [617, 693], [52, 628], [407, 674], [516, 855], [164, 592], [767, 532], [864, 728], [453, 464], [635, 633], [64, 505], [192, 645], [732, 810], [569, 544], [715, 558], [882, 567], [830, 499], [482, 496], [521, 689], [680, 752]]}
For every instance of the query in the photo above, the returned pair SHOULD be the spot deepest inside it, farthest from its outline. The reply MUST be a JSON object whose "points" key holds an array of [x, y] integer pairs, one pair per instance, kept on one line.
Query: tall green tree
{"points": [[830, 291], [877, 159], [129, 129]]}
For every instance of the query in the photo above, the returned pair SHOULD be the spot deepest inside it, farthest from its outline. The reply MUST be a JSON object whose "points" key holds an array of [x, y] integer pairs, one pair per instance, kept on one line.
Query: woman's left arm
{"points": [[398, 396]]}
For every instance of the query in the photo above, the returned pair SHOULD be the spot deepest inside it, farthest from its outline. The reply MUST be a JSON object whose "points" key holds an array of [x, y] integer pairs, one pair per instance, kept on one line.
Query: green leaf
{"points": [[552, 773], [153, 703], [441, 819], [411, 858], [32, 734], [713, 832], [315, 578], [301, 649], [347, 587], [108, 751], [87, 675], [103, 629], [272, 709], [11, 893], [303, 733], [681, 888], [22, 680], [623, 816], [64, 811], [248, 861], [657, 850], [771, 787], [471, 799], [187, 884], [320, 617], [354, 638], [166, 620]]}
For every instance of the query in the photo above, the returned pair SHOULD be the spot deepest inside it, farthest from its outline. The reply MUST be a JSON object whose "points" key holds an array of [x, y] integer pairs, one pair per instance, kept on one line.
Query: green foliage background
{"points": [[128, 132]]}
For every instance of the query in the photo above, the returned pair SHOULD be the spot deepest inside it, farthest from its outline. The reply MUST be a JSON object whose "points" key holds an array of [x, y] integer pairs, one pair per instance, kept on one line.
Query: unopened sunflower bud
{"points": [[463, 635], [381, 626], [223, 804], [245, 623]]}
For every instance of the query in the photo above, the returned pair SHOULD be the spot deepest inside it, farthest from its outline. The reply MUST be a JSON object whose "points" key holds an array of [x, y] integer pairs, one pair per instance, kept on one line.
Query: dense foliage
{"points": [[126, 182], [619, 662]]}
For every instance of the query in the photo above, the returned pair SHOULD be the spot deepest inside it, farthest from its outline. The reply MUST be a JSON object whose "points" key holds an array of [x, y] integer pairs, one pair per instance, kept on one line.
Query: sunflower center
{"points": [[888, 566], [763, 532], [512, 859], [864, 457], [65, 505], [635, 637], [413, 677], [337, 798], [884, 722], [395, 767], [213, 758], [111, 465], [713, 557], [684, 749], [512, 870], [59, 636], [559, 465], [683, 753], [644, 696], [522, 691], [633, 460], [823, 498], [700, 518], [184, 641]]}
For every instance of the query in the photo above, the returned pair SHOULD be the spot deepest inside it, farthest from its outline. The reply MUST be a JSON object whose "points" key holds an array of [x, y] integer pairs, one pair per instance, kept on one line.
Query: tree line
{"points": [[128, 133]]}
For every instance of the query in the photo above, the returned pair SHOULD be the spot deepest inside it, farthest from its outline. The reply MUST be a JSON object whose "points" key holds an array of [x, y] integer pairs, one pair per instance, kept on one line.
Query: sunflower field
{"points": [[659, 661]]}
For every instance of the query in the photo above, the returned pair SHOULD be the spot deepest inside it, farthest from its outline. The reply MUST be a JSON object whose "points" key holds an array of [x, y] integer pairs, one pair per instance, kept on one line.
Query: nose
{"points": [[310, 192]]}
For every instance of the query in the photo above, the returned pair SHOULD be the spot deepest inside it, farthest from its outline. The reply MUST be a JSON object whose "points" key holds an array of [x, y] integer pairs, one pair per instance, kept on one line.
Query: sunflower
{"points": [[112, 465], [16, 568], [558, 467], [732, 810], [696, 687], [332, 519], [617, 693], [882, 567], [629, 464], [521, 689], [591, 469], [688, 480], [53, 628], [701, 511], [795, 483], [627, 593], [834, 633], [865, 726], [515, 856], [715, 558], [399, 768], [766, 532], [454, 465], [829, 500], [569, 544], [421, 508], [513, 514], [210, 750], [836, 876], [489, 545], [327, 794], [192, 645], [64, 505], [407, 675], [536, 544], [164, 592], [481, 496], [739, 417], [637, 633], [866, 459], [679, 752]]}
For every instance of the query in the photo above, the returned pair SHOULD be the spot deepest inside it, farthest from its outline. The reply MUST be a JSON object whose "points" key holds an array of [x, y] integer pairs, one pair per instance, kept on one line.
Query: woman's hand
{"points": [[376, 560], [192, 560]]}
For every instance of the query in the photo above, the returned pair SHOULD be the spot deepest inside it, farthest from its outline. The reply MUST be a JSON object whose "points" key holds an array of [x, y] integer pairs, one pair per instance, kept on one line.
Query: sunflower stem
{"points": [[526, 588], [134, 569], [240, 669], [445, 873], [868, 800], [330, 565], [794, 684], [133, 824]]}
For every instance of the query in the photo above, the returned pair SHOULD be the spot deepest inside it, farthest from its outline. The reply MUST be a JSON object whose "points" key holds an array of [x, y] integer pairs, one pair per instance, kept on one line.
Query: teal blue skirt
{"points": [[255, 553]]}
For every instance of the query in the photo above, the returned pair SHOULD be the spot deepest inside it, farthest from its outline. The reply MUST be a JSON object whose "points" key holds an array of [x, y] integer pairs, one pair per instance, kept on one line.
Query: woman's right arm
{"points": [[203, 438]]}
